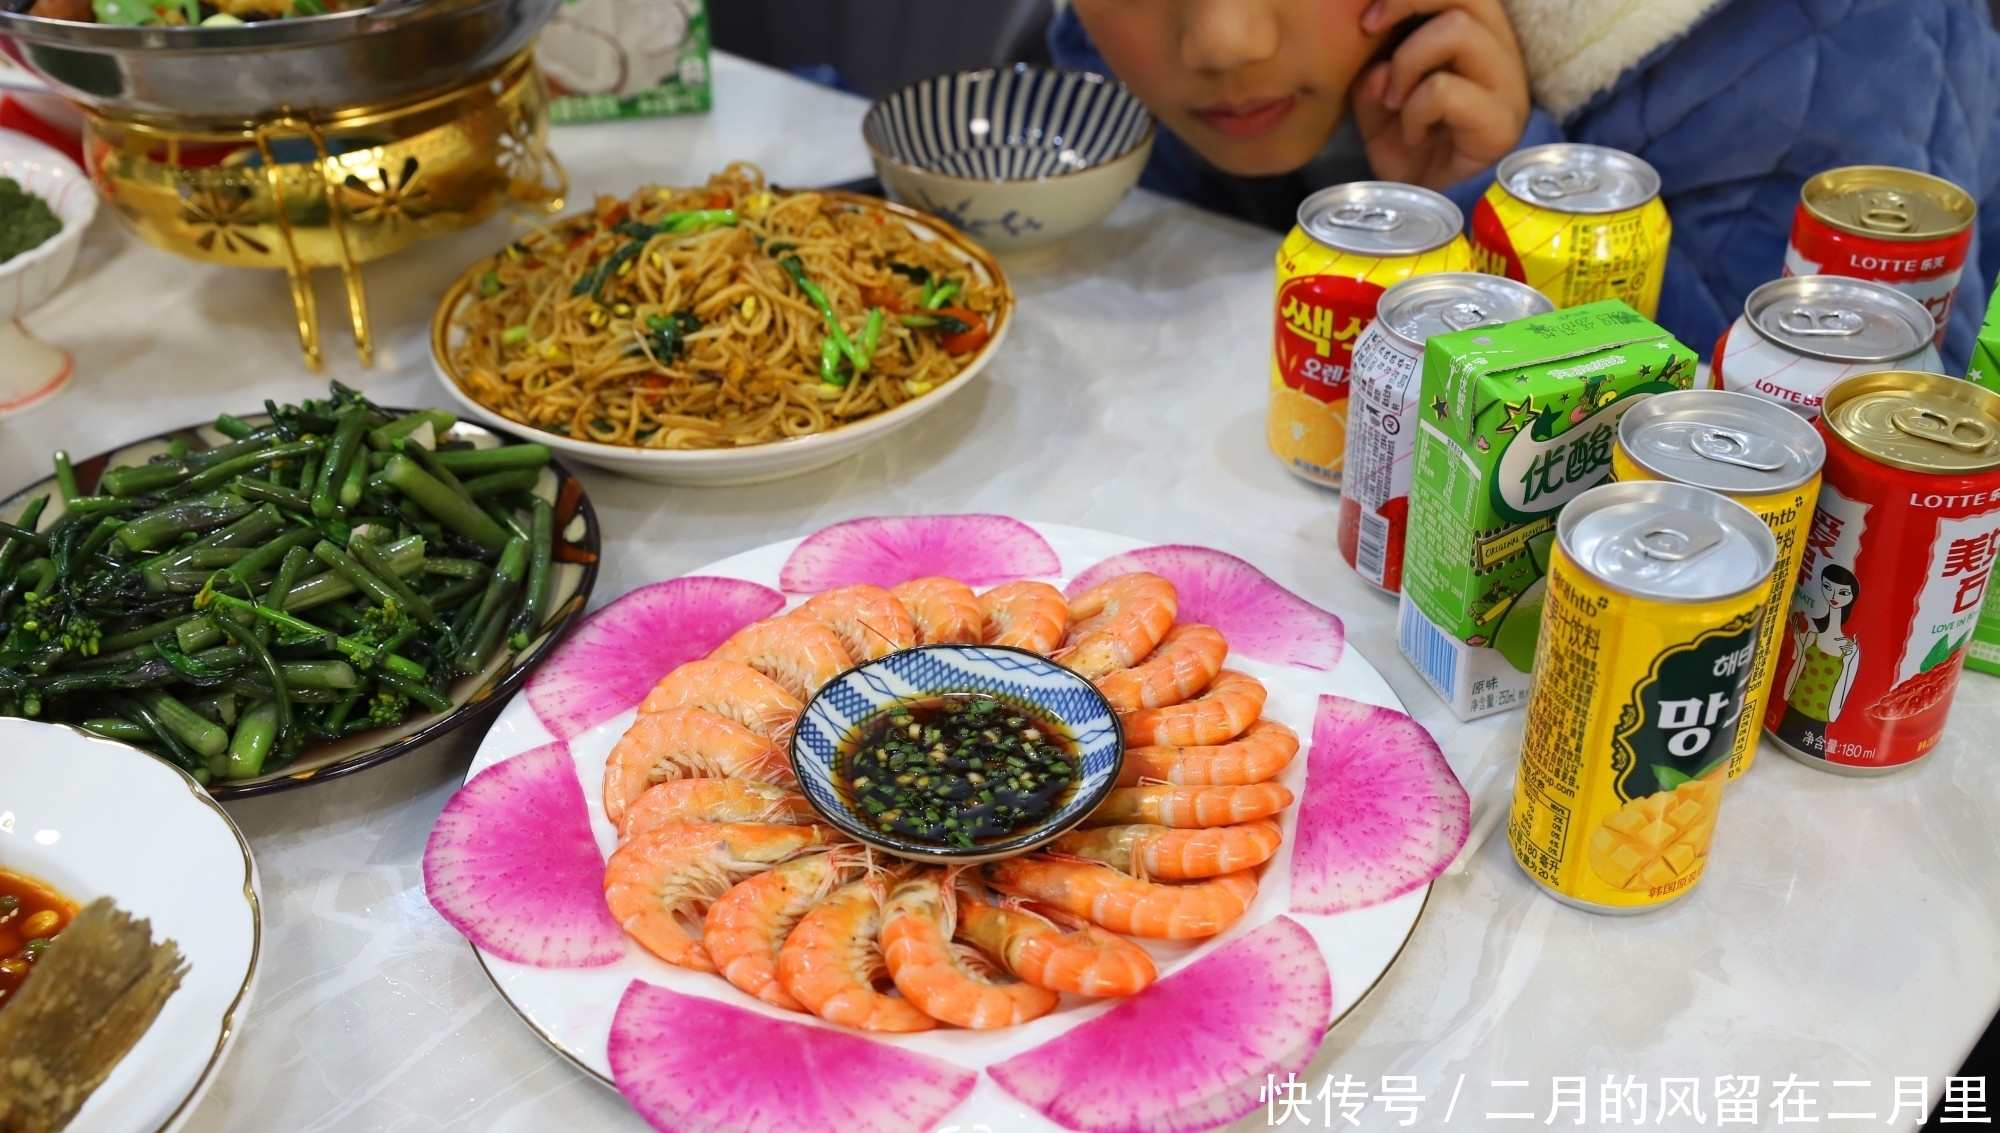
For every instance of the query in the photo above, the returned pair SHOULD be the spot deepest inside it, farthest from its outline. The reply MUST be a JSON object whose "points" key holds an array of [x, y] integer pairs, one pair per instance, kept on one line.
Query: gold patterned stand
{"points": [[334, 190]]}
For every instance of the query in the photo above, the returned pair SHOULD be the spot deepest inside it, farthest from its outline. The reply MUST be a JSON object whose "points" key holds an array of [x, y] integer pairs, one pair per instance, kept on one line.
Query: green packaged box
{"points": [[1517, 420], [611, 59], [1985, 368]]}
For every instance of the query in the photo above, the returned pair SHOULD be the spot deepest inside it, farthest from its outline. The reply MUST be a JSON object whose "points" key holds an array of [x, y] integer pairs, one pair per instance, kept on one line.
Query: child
{"points": [[1735, 103]]}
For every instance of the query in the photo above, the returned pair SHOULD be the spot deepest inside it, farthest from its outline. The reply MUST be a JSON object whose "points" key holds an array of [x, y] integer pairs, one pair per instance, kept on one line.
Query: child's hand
{"points": [[1451, 100]]}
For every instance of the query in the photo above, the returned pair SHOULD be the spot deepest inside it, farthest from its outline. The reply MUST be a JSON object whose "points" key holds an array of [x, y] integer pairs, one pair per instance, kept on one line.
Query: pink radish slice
{"points": [[886, 551], [1192, 1051], [512, 864], [619, 653], [694, 1065], [1383, 812], [1260, 618]]}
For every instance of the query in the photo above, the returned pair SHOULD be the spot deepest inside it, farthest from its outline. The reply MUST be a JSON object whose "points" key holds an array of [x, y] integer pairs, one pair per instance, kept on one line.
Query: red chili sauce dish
{"points": [[31, 914]]}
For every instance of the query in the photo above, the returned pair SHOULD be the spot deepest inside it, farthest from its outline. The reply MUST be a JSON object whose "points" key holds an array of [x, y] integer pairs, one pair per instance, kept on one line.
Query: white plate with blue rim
{"points": [[93, 818]]}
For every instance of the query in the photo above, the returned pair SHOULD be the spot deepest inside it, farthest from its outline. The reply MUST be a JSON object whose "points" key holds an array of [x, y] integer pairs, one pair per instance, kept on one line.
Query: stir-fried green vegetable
{"points": [[332, 571]]}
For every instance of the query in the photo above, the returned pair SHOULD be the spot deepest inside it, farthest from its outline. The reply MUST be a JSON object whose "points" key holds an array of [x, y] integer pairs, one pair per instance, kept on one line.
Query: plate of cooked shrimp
{"points": [[658, 861]]}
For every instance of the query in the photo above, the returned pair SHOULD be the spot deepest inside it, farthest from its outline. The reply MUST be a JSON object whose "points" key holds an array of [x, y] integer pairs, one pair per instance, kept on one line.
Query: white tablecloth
{"points": [[1848, 930]]}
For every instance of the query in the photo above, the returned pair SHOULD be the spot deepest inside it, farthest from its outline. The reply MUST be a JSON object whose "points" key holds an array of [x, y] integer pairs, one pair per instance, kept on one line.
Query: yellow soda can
{"points": [[1352, 243], [1577, 223], [1756, 452], [1655, 591]]}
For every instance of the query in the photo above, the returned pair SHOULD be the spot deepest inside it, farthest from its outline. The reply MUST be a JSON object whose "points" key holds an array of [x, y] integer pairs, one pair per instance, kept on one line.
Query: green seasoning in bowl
{"points": [[26, 221], [956, 770]]}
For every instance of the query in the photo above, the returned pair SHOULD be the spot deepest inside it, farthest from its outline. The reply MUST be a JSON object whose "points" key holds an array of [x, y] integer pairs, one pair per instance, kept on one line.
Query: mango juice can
{"points": [[1577, 223], [1897, 565], [1756, 452], [1352, 243], [1644, 661]]}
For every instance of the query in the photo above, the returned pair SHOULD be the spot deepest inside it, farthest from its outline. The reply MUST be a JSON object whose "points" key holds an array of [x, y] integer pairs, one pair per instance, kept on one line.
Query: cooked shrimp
{"points": [[1258, 755], [686, 743], [1084, 960], [950, 982], [1232, 703], [945, 610], [747, 926], [681, 801], [1188, 659], [1190, 808], [1123, 903], [731, 690], [798, 653], [1169, 854], [659, 885], [832, 963], [1116, 623], [1025, 615], [867, 619]]}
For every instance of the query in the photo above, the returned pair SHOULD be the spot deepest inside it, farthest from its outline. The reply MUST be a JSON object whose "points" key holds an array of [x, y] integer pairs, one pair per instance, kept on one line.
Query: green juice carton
{"points": [[1983, 651], [1516, 421], [611, 59]]}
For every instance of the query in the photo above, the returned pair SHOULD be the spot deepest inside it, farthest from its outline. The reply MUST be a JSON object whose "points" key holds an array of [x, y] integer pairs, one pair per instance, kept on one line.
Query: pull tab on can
{"points": [[1365, 217], [1966, 434], [1466, 315], [1732, 446], [1887, 211], [1560, 183], [1657, 548], [1821, 322]]}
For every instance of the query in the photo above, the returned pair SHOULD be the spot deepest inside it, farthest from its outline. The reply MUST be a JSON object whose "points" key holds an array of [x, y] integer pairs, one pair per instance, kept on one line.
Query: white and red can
{"points": [[1907, 229], [1801, 335], [1896, 565], [1383, 380]]}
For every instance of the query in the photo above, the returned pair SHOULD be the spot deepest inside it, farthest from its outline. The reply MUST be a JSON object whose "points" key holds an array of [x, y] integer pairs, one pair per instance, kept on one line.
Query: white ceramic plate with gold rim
{"points": [[94, 818], [572, 1008]]}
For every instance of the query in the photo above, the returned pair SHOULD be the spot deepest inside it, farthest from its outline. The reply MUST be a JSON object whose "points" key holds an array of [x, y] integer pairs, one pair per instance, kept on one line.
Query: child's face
{"points": [[1256, 86]]}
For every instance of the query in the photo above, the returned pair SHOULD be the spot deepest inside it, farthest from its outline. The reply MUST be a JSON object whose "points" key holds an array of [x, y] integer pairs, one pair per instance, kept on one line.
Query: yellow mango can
{"points": [[1655, 592], [1576, 222], [1756, 452], [1352, 243]]}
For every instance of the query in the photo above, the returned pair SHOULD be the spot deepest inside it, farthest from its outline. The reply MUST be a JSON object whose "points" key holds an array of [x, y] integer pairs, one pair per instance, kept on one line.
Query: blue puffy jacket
{"points": [[1736, 104]]}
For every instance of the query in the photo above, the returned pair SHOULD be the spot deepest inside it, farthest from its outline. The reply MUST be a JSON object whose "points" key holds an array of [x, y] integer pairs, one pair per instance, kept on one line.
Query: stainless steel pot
{"points": [[311, 66]]}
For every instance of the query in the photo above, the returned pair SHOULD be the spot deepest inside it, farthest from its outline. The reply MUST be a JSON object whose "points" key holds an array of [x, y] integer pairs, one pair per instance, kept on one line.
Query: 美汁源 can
{"points": [[1382, 404], [1896, 566], [1907, 229], [1577, 223], [1757, 453], [1352, 243], [1648, 633], [1800, 334]]}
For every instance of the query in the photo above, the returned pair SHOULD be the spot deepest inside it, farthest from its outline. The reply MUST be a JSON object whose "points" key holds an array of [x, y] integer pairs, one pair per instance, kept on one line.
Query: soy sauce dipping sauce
{"points": [[956, 770]]}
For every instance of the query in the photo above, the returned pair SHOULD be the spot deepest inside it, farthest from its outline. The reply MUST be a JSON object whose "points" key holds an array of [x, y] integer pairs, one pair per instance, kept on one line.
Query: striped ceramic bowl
{"points": [[1015, 158]]}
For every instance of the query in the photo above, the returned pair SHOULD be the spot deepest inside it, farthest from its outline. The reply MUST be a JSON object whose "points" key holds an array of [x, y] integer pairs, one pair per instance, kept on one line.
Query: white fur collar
{"points": [[1576, 48]]}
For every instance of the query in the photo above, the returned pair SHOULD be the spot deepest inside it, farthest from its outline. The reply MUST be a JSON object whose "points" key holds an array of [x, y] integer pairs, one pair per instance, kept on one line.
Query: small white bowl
{"points": [[32, 370], [750, 464], [93, 818], [1016, 158]]}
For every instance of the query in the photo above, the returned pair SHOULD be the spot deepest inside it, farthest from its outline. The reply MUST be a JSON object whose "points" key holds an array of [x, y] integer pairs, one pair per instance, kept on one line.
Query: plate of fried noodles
{"points": [[723, 334]]}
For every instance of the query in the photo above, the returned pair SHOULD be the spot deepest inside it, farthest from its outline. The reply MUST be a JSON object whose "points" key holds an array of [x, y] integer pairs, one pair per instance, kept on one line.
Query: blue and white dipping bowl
{"points": [[1016, 675], [1015, 158]]}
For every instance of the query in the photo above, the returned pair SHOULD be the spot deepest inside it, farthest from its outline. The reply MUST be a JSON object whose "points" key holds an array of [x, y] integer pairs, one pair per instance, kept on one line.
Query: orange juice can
{"points": [[1577, 223], [1352, 243]]}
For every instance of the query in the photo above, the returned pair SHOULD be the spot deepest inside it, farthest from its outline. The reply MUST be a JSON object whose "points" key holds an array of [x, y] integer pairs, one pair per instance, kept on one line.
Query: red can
{"points": [[1896, 566], [1907, 229]]}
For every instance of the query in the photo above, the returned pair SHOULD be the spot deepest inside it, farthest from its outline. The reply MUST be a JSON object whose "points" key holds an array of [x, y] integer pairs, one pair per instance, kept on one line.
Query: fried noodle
{"points": [[601, 330]]}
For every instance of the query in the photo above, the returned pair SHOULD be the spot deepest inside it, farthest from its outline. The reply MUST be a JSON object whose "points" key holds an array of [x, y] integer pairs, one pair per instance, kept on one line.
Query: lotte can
{"points": [[1352, 242], [1896, 565], [1577, 223], [1801, 334], [1760, 455], [1907, 229], [1655, 591], [1382, 414]]}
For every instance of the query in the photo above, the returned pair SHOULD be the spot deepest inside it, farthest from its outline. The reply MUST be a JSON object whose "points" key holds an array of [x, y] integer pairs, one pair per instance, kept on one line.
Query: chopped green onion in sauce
{"points": [[956, 770]]}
